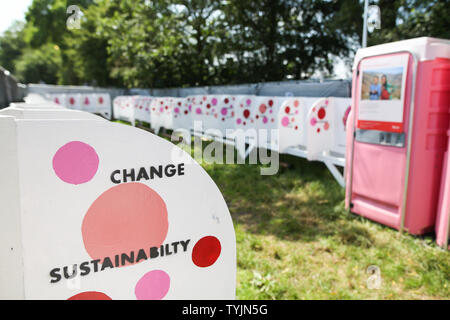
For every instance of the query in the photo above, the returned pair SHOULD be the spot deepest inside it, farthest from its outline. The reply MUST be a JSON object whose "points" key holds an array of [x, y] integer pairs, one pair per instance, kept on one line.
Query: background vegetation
{"points": [[163, 43]]}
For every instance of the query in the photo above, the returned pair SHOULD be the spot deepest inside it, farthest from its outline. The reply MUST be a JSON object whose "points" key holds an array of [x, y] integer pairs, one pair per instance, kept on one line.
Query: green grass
{"points": [[295, 240]]}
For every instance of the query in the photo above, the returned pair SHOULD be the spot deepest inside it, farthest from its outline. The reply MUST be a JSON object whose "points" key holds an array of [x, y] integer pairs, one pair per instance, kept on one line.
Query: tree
{"points": [[406, 19], [40, 65], [12, 45]]}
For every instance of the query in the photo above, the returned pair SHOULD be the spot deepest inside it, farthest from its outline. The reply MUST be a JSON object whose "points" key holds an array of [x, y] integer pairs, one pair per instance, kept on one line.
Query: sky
{"points": [[11, 10]]}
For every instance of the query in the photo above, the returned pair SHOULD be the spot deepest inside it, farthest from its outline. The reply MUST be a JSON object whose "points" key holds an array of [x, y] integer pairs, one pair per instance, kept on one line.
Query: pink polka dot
{"points": [[262, 108], [76, 162], [249, 102], [326, 126], [125, 218], [265, 120], [214, 101], [238, 121], [154, 285], [198, 111], [285, 121], [313, 121]]}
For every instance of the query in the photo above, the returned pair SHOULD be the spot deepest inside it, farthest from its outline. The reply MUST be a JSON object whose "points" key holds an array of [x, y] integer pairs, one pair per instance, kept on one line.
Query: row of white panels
{"points": [[99, 103], [316, 125]]}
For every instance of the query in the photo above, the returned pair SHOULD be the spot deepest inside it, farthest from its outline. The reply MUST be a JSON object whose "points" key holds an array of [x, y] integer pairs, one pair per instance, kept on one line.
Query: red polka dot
{"points": [[271, 103], [287, 109], [322, 113], [90, 295], [71, 100], [206, 251], [246, 113]]}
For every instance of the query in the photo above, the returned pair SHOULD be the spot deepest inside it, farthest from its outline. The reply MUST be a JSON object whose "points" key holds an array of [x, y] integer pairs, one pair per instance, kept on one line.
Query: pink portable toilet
{"points": [[397, 138], [443, 215]]}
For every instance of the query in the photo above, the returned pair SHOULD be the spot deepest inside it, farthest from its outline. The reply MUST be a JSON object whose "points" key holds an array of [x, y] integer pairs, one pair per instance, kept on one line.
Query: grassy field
{"points": [[295, 240]]}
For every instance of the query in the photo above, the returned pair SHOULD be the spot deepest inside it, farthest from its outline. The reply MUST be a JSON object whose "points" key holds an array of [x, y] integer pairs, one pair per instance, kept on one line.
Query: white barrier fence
{"points": [[99, 103], [63, 170], [308, 127]]}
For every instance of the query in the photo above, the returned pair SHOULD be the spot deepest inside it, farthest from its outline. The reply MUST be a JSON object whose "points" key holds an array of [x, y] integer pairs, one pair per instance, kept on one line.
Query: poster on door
{"points": [[382, 95]]}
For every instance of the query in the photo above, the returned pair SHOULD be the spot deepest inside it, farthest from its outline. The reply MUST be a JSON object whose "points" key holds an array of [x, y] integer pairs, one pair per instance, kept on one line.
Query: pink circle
{"points": [[190, 107], [153, 285], [313, 121], [238, 121], [265, 120], [248, 102], [107, 231], [76, 162], [224, 111], [177, 110], [285, 121], [262, 108], [214, 101], [326, 126], [198, 111]]}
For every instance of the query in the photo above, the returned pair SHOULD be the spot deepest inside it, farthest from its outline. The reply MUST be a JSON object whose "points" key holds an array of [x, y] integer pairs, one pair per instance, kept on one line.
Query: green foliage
{"points": [[405, 19], [42, 64], [160, 43], [12, 45]]}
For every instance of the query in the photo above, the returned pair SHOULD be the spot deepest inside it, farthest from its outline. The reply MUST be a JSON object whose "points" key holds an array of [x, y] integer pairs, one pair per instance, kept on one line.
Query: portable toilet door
{"points": [[400, 118]]}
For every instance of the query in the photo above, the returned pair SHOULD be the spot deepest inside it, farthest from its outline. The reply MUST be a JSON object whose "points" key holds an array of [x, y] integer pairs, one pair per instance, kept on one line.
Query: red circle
{"points": [[90, 295], [208, 106], [271, 103], [206, 251], [246, 113], [71, 100], [321, 113], [287, 109], [226, 100]]}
